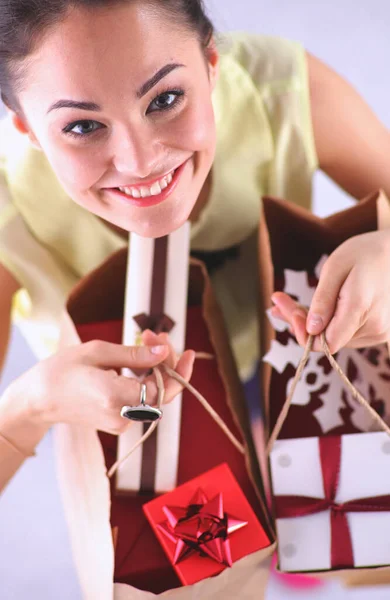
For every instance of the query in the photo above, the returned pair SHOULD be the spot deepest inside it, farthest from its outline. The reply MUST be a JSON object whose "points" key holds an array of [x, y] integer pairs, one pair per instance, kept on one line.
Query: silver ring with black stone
{"points": [[143, 412]]}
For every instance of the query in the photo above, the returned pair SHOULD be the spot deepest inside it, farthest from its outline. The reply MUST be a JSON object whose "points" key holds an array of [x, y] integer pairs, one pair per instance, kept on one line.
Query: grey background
{"points": [[350, 35]]}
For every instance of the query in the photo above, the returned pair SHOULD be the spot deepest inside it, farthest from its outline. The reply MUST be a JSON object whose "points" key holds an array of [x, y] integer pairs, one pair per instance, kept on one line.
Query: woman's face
{"points": [[119, 100]]}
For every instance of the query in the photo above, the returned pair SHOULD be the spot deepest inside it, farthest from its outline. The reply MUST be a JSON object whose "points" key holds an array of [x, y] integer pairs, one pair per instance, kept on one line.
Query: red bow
{"points": [[300, 506], [202, 527]]}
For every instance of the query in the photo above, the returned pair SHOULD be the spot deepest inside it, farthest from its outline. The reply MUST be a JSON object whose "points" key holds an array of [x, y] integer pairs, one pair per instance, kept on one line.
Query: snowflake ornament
{"points": [[368, 369]]}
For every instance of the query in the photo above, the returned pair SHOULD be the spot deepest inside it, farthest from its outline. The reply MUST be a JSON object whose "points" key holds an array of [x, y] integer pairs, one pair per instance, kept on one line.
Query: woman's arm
{"points": [[353, 146], [81, 385], [20, 432]]}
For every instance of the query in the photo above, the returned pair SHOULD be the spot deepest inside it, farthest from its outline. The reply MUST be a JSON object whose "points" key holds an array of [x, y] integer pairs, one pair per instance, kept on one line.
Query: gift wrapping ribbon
{"points": [[330, 457], [157, 322], [287, 506], [202, 527]]}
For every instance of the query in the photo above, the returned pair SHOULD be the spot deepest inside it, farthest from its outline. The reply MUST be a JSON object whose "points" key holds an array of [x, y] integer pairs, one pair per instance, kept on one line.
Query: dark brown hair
{"points": [[24, 22]]}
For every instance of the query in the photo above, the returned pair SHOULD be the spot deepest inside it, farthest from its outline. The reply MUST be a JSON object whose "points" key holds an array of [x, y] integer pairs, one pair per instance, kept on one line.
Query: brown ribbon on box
{"points": [[157, 322]]}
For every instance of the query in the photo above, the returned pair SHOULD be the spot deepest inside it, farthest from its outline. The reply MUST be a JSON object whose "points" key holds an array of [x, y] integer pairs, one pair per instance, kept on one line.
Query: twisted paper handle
{"points": [[160, 400], [356, 395]]}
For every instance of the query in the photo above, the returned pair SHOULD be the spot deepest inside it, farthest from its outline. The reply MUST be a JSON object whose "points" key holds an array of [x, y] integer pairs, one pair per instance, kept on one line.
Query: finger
{"points": [[322, 308], [299, 326], [185, 365], [128, 389], [277, 314], [286, 306], [184, 368], [151, 338], [351, 312], [117, 356], [294, 314], [127, 392], [172, 358]]}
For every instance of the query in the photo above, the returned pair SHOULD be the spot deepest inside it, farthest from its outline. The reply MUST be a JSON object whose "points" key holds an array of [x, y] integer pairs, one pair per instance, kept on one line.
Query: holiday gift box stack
{"points": [[191, 511], [184, 514], [330, 466]]}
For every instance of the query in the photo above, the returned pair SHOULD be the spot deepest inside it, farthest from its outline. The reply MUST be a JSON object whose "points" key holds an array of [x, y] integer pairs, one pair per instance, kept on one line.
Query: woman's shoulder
{"points": [[268, 60]]}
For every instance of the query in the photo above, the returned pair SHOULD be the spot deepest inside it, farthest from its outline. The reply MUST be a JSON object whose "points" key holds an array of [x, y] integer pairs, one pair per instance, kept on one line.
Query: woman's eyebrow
{"points": [[75, 104], [161, 73], [144, 89]]}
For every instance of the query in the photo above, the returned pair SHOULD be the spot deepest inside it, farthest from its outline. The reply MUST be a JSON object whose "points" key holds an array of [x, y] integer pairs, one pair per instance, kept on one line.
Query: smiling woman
{"points": [[128, 116], [142, 129]]}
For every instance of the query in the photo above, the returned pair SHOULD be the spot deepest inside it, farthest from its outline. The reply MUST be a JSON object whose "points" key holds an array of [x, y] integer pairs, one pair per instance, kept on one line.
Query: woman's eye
{"points": [[82, 128], [165, 101]]}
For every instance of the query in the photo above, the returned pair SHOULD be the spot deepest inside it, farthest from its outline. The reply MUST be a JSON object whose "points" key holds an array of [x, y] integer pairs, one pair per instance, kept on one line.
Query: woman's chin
{"points": [[164, 222], [158, 229]]}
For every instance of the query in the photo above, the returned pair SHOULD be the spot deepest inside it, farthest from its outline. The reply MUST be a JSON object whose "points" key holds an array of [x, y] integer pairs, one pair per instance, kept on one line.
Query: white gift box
{"points": [[305, 542], [143, 281]]}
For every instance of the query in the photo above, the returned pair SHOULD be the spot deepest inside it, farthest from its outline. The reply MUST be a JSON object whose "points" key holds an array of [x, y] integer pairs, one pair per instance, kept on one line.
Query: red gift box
{"points": [[205, 525]]}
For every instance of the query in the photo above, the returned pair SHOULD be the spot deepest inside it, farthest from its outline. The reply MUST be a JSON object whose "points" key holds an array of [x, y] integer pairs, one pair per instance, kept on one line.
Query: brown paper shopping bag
{"points": [[293, 247], [134, 562]]}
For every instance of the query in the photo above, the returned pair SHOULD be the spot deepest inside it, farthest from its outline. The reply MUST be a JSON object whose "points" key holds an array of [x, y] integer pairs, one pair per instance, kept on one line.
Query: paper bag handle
{"points": [[356, 395], [160, 387]]}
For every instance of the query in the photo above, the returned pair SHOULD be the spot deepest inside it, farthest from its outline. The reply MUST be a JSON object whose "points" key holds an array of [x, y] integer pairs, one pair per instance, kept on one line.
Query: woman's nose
{"points": [[136, 153]]}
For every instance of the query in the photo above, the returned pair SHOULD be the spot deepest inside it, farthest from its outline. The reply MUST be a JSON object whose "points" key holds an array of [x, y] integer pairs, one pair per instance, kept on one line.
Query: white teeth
{"points": [[146, 192], [134, 192], [155, 189], [131, 192]]}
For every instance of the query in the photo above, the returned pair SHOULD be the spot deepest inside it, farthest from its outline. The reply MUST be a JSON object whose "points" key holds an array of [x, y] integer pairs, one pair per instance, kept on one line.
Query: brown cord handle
{"points": [[160, 401], [286, 407]]}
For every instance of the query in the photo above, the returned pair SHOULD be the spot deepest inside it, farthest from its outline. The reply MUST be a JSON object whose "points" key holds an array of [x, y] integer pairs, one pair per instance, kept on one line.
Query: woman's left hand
{"points": [[352, 299]]}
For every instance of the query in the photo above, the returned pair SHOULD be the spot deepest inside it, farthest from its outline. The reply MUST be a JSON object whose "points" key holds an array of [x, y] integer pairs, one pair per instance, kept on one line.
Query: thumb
{"points": [[324, 302], [116, 356]]}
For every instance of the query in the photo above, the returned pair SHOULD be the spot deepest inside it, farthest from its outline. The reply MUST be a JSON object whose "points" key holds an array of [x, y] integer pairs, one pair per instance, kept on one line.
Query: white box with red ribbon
{"points": [[331, 499]]}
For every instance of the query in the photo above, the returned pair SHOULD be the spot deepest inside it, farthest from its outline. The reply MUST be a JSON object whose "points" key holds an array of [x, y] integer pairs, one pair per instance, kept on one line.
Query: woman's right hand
{"points": [[82, 385]]}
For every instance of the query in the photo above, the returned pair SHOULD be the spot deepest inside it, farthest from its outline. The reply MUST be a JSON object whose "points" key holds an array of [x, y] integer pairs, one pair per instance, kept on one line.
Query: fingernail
{"points": [[315, 324], [157, 349]]}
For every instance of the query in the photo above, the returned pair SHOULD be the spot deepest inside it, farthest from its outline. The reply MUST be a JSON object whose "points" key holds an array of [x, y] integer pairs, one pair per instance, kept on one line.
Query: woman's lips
{"points": [[151, 200]]}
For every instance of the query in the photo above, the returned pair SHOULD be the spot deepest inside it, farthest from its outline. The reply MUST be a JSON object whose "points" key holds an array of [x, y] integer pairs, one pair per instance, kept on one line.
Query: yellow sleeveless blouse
{"points": [[265, 146]]}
